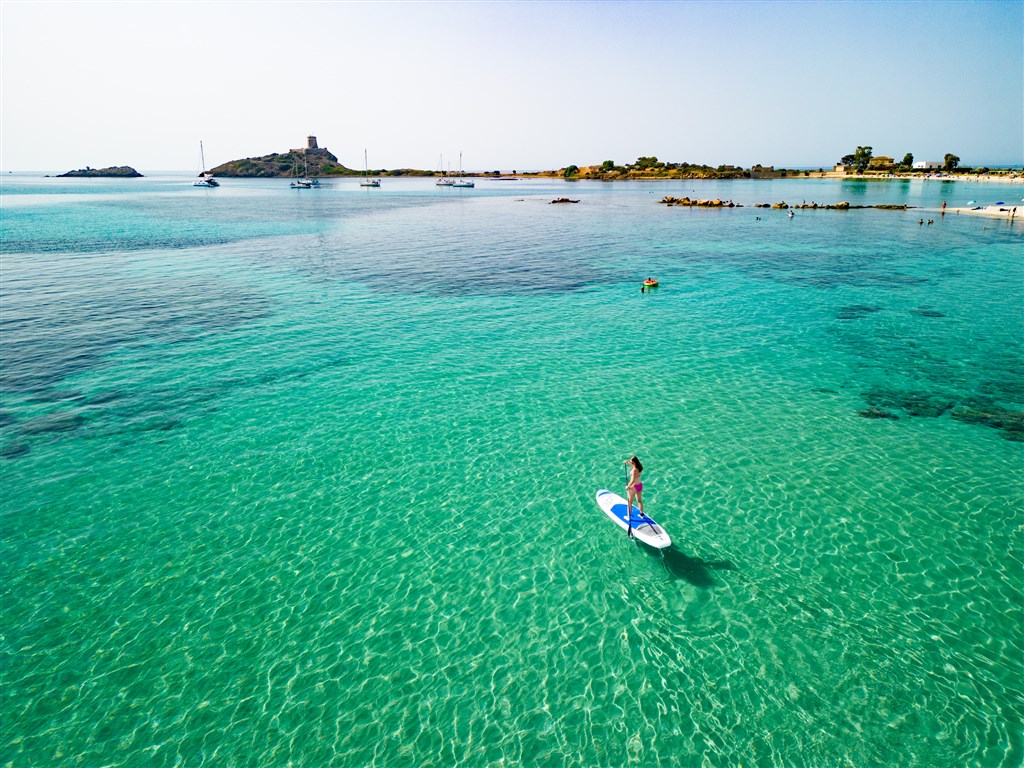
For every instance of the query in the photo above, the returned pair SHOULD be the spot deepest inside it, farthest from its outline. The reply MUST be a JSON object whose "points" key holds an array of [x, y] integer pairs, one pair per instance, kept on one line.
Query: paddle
{"points": [[629, 506]]}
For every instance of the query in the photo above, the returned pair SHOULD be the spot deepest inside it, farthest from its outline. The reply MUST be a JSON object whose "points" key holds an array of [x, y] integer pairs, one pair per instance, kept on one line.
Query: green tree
{"points": [[571, 171], [861, 158], [847, 160], [907, 161], [607, 165], [950, 161], [643, 163]]}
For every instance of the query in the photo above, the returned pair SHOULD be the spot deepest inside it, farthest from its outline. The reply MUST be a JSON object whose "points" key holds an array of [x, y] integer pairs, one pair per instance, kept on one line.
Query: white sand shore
{"points": [[1013, 178], [1008, 212]]}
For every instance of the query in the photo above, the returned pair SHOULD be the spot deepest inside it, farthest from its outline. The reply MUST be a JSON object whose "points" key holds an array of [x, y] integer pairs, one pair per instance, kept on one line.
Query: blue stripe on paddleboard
{"points": [[637, 517]]}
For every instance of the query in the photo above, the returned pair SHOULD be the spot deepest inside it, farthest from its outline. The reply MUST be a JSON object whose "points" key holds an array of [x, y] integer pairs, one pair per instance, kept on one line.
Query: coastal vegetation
{"points": [[863, 160], [859, 160], [650, 168], [119, 171]]}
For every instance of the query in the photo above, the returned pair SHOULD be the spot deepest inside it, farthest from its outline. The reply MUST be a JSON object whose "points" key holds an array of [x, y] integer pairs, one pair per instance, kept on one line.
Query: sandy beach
{"points": [[993, 178], [991, 211]]}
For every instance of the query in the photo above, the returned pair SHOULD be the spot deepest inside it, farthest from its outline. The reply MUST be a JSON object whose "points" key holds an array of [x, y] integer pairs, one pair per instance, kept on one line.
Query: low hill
{"points": [[311, 162], [318, 162], [124, 171]]}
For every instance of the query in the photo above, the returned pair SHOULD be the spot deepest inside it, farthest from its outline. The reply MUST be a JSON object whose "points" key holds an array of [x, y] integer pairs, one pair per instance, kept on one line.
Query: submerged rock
{"points": [[973, 410], [1005, 390], [877, 413], [927, 406], [912, 403], [53, 422], [856, 311], [106, 397], [13, 450], [990, 415]]}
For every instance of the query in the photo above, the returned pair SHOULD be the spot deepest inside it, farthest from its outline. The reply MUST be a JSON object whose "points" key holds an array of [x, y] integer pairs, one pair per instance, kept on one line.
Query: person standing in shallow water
{"points": [[634, 488]]}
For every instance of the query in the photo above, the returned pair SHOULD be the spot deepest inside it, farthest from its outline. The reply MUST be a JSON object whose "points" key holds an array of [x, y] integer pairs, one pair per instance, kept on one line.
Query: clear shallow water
{"points": [[308, 476]]}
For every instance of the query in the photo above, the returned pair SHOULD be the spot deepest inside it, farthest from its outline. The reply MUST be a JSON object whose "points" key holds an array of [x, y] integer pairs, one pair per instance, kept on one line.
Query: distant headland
{"points": [[120, 171]]}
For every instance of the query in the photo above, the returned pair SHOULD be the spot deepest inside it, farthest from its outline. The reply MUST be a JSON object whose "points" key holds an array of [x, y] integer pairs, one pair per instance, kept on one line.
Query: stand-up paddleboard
{"points": [[644, 528]]}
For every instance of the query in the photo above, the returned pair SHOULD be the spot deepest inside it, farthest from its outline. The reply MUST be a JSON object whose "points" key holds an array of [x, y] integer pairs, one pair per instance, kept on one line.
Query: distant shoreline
{"points": [[1010, 177], [1014, 177]]}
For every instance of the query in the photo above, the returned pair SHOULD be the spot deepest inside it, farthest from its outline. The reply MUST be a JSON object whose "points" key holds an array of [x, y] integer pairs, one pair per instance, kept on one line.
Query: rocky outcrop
{"points": [[706, 203], [982, 411]]}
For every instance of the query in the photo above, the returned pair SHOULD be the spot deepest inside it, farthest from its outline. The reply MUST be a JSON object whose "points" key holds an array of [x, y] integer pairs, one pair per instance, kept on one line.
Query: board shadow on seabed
{"points": [[692, 569]]}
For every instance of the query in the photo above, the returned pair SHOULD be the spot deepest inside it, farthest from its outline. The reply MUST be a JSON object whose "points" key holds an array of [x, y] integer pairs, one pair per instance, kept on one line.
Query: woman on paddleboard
{"points": [[634, 488]]}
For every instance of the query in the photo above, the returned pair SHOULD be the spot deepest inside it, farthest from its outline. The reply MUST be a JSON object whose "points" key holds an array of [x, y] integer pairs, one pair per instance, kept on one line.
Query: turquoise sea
{"points": [[306, 477]]}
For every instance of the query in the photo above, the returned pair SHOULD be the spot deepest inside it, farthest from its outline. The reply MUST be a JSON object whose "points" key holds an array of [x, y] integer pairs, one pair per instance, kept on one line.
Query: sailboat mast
{"points": [[202, 157]]}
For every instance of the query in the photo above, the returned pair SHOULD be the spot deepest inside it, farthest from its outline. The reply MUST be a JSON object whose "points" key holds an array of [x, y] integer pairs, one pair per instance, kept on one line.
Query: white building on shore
{"points": [[927, 165]]}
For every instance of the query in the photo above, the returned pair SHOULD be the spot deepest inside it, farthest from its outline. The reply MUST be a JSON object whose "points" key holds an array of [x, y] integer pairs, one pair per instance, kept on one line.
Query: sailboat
{"points": [[463, 183], [366, 180], [305, 182], [204, 180], [442, 181]]}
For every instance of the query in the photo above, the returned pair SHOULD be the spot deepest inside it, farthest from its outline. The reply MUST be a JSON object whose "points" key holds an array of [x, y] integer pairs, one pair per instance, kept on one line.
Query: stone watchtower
{"points": [[314, 156], [312, 148]]}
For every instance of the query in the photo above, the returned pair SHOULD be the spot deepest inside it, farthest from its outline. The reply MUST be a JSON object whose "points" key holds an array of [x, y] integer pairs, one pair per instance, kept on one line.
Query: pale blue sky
{"points": [[509, 84]]}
